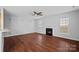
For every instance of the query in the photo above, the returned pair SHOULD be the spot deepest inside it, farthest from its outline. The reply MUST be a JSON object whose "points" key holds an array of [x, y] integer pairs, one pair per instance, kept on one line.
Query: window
{"points": [[64, 22]]}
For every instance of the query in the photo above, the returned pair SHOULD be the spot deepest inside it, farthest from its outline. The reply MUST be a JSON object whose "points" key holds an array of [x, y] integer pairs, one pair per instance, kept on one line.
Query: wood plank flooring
{"points": [[35, 42]]}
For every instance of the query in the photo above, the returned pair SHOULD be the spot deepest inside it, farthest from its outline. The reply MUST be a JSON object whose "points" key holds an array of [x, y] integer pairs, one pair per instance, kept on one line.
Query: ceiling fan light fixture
{"points": [[37, 13]]}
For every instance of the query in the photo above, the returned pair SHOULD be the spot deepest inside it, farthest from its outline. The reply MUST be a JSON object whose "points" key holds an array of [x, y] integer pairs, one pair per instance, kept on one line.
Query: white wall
{"points": [[18, 25], [53, 21], [7, 23], [21, 25]]}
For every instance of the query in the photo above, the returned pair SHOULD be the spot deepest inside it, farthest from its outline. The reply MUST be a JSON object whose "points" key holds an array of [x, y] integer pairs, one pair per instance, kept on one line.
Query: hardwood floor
{"points": [[36, 42]]}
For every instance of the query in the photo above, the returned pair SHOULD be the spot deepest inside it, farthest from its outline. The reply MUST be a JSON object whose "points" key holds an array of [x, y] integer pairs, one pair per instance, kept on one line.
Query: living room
{"points": [[43, 22]]}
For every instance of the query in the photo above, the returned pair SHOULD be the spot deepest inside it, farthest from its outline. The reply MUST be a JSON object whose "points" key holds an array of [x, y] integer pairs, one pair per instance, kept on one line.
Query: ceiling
{"points": [[47, 10]]}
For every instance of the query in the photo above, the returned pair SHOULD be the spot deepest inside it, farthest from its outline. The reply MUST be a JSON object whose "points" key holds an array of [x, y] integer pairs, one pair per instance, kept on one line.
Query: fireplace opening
{"points": [[49, 31]]}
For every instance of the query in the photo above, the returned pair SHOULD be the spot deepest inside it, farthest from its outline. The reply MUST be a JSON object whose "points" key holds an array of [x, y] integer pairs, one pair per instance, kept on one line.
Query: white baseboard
{"points": [[54, 35], [68, 38]]}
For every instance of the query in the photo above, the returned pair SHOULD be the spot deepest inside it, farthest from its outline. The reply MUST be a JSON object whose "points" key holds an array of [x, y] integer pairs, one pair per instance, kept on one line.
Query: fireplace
{"points": [[49, 31]]}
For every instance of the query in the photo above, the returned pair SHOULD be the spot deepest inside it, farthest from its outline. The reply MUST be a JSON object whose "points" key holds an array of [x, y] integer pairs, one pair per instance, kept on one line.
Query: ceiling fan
{"points": [[37, 13]]}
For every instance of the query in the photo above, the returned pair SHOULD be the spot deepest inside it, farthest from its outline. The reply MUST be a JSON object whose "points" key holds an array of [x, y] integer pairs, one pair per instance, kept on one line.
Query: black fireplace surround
{"points": [[49, 31]]}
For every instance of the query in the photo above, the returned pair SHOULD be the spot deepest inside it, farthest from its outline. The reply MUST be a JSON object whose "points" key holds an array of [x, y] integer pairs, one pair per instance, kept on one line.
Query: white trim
{"points": [[67, 38]]}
